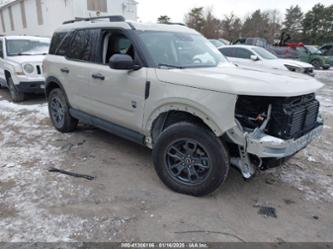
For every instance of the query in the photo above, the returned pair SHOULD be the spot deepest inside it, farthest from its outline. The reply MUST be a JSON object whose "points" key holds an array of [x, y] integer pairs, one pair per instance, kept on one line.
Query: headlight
{"points": [[294, 69], [28, 68]]}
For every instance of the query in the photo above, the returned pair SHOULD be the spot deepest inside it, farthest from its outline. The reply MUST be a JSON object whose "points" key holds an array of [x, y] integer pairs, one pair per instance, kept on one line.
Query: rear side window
{"points": [[229, 52], [60, 43], [84, 45]]}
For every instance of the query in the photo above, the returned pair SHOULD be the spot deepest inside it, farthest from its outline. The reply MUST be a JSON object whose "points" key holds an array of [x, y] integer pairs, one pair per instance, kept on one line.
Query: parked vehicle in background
{"points": [[327, 50], [290, 50], [217, 43], [313, 55], [254, 56], [21, 64], [255, 41], [168, 88], [224, 41]]}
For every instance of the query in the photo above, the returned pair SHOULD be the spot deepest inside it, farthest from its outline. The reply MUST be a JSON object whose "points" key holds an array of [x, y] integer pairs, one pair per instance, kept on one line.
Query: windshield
{"points": [[181, 50], [264, 53], [313, 50], [27, 47]]}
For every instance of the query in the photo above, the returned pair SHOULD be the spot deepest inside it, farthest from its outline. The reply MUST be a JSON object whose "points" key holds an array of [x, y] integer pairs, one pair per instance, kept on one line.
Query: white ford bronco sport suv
{"points": [[168, 88], [21, 60]]}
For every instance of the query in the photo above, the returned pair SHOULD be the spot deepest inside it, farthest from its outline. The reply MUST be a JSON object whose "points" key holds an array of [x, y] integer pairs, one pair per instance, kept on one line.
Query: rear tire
{"points": [[59, 112], [190, 159], [15, 95]]}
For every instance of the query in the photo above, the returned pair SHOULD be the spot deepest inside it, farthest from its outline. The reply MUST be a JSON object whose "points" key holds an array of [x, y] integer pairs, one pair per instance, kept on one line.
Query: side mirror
{"points": [[123, 62], [255, 58]]}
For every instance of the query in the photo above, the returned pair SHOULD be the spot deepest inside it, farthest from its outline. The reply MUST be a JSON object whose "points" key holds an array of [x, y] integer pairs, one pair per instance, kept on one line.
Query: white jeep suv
{"points": [[168, 88], [21, 64]]}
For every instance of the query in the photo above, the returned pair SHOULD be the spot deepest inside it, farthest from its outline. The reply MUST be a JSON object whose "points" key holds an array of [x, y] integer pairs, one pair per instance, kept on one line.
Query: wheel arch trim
{"points": [[206, 119]]}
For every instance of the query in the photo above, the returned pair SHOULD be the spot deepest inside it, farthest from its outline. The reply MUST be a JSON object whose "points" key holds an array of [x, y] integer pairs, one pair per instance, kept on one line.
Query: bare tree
{"points": [[213, 26], [204, 22], [293, 22], [195, 19], [232, 27]]}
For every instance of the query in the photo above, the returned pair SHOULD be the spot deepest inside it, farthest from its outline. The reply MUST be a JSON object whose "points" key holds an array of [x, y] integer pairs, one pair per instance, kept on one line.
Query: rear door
{"points": [[80, 60]]}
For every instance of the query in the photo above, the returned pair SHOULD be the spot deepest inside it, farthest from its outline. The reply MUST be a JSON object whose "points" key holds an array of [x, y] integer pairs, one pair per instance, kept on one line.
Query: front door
{"points": [[118, 95], [78, 69]]}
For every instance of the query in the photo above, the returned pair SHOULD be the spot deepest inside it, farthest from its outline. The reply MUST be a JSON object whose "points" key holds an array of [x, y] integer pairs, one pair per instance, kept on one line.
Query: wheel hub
{"points": [[187, 162], [57, 111]]}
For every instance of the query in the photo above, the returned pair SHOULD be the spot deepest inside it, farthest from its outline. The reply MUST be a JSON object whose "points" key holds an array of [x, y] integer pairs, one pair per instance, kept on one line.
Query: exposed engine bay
{"points": [[289, 118], [272, 128]]}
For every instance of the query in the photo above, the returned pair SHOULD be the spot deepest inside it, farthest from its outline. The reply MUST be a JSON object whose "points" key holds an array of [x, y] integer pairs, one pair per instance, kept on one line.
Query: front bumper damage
{"points": [[262, 146]]}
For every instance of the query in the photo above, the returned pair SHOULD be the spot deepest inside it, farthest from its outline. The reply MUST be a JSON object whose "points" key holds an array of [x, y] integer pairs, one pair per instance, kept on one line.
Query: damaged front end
{"points": [[272, 127]]}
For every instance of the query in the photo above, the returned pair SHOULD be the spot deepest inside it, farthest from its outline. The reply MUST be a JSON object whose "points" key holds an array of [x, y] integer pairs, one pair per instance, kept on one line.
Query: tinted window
{"points": [[83, 46], [1, 49], [59, 44], [243, 53], [229, 52]]}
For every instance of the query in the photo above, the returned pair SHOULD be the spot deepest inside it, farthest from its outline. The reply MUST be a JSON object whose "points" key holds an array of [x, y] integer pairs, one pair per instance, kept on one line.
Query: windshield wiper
{"points": [[170, 66]]}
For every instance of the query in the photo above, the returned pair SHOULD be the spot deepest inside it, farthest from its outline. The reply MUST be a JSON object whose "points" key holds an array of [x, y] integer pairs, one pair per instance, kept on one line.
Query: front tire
{"points": [[190, 159], [15, 95], [316, 63], [59, 112]]}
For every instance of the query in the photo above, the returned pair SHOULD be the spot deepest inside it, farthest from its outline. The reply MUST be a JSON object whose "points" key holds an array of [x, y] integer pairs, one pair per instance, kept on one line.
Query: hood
{"points": [[295, 63], [242, 81], [26, 59]]}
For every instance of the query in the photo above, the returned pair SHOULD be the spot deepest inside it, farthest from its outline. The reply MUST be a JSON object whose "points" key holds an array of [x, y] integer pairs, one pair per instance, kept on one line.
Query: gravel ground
{"points": [[127, 201]]}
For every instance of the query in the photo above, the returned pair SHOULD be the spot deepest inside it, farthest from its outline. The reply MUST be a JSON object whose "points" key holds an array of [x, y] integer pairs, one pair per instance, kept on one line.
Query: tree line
{"points": [[312, 27]]}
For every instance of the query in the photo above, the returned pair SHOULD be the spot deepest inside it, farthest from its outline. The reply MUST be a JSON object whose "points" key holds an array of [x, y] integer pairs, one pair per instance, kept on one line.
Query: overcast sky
{"points": [[150, 10]]}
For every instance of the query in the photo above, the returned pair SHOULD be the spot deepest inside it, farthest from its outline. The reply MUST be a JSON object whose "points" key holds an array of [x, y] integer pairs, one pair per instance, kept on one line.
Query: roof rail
{"points": [[176, 23], [86, 19]]}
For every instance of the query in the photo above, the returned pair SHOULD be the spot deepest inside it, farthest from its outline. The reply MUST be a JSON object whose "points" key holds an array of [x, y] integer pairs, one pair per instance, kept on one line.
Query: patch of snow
{"points": [[27, 150]]}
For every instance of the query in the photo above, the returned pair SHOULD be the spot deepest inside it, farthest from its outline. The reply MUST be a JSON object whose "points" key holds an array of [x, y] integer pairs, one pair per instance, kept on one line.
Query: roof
{"points": [[104, 23]]}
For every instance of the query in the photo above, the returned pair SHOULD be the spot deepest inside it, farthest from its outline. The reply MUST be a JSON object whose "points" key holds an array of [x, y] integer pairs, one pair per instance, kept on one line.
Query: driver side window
{"points": [[116, 43]]}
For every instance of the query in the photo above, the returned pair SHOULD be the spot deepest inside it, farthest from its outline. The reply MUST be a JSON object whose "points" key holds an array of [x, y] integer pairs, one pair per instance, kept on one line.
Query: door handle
{"points": [[64, 70], [98, 76]]}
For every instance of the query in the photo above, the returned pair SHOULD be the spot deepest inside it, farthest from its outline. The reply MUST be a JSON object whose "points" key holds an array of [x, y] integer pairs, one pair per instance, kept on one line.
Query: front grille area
{"points": [[294, 117], [39, 70], [290, 118]]}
